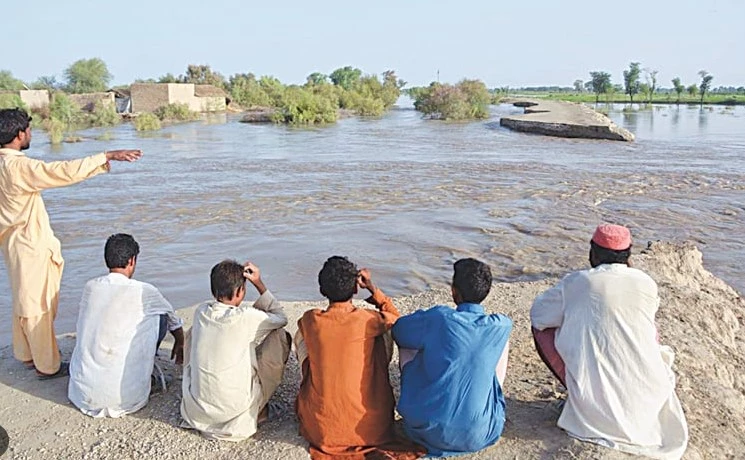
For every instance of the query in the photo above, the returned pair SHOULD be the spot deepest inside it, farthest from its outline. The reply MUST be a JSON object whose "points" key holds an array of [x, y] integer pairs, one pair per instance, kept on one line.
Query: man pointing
{"points": [[31, 252]]}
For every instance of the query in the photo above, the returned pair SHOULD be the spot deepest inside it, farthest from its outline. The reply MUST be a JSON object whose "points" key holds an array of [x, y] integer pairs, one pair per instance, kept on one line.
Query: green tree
{"points": [[203, 75], [579, 86], [651, 77], [692, 90], [631, 80], [346, 77], [247, 91], [678, 87], [48, 83], [9, 82], [646, 91], [87, 76], [705, 85], [600, 83], [317, 78], [168, 78]]}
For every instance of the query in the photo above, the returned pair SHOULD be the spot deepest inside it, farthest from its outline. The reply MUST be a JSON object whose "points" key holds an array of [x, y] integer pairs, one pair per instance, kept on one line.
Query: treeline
{"points": [[318, 100], [646, 89]]}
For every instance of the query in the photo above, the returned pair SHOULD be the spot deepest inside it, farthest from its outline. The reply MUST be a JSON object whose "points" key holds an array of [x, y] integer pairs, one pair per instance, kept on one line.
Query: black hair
{"points": [[337, 279], [119, 249], [600, 255], [472, 280], [12, 122], [226, 278]]}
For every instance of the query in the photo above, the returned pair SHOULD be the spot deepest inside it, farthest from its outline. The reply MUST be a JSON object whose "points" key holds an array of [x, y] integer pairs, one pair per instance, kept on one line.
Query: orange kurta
{"points": [[345, 404]]}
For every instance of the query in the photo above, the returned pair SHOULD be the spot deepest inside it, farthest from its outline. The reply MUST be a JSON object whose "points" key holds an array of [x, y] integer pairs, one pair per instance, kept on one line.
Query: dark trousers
{"points": [[162, 331]]}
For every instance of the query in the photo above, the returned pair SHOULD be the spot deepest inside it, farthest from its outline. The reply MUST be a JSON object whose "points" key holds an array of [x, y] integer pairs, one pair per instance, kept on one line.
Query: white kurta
{"points": [[117, 331], [221, 387], [619, 379]]}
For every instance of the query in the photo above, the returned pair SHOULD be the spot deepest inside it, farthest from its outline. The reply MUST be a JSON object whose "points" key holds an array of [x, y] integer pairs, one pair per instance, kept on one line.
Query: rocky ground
{"points": [[701, 318]]}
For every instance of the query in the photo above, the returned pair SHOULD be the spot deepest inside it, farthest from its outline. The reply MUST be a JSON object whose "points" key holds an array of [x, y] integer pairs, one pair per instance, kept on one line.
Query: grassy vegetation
{"points": [[11, 101], [63, 117], [175, 112], [147, 122], [657, 98]]}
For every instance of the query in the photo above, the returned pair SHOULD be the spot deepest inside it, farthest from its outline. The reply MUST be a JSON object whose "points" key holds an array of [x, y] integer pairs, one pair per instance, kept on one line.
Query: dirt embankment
{"points": [[564, 119], [700, 317]]}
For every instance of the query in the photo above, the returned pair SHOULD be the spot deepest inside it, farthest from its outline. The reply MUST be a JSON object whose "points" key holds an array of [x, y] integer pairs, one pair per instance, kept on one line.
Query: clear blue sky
{"points": [[504, 43]]}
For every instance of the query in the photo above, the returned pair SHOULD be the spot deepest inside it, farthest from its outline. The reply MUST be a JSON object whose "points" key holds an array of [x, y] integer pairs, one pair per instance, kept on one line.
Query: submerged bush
{"points": [[11, 101], [103, 115], [175, 112], [468, 100], [55, 130], [301, 107], [147, 122]]}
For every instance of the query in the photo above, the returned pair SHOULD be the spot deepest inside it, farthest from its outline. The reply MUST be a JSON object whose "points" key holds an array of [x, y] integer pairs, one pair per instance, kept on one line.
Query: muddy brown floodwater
{"points": [[403, 196]]}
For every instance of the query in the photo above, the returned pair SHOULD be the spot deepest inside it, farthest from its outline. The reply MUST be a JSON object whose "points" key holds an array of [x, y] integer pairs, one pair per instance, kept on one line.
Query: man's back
{"points": [[117, 332], [222, 391], [345, 397], [451, 400], [620, 385]]}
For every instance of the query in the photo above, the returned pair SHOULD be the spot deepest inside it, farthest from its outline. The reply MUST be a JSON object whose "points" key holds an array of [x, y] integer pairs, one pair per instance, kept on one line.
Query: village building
{"points": [[148, 97], [32, 98]]}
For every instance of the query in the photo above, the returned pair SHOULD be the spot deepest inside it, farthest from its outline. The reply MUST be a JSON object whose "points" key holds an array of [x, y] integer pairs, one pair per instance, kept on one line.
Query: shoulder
{"points": [[500, 320], [433, 312]]}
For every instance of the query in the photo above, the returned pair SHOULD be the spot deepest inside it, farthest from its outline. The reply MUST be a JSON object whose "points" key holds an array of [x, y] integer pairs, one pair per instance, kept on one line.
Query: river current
{"points": [[402, 196]]}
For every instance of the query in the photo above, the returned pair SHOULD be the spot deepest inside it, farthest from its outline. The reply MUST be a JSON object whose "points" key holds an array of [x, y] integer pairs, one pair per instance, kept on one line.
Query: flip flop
{"points": [[64, 370], [29, 364]]}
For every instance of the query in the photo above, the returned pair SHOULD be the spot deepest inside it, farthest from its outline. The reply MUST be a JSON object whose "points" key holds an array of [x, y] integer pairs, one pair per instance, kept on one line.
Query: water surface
{"points": [[403, 196]]}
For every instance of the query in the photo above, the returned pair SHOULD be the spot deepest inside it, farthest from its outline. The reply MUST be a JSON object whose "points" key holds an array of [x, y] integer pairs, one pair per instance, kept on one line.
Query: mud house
{"points": [[148, 97], [89, 101], [31, 98]]}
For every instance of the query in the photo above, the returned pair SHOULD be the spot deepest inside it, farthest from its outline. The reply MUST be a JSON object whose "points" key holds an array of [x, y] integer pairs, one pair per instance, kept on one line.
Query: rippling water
{"points": [[400, 195]]}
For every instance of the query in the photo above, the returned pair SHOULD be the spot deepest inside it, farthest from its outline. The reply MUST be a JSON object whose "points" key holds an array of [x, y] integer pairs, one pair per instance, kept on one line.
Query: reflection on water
{"points": [[403, 196]]}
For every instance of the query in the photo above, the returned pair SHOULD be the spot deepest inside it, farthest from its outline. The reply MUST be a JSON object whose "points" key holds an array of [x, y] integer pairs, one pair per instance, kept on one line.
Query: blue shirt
{"points": [[451, 401]]}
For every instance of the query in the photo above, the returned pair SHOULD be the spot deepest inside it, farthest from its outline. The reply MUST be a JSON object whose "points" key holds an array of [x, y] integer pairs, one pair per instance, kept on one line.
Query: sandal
{"points": [[64, 370]]}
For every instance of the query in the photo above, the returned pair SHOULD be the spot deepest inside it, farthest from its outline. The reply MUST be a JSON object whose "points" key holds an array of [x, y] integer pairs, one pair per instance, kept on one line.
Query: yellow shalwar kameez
{"points": [[31, 252]]}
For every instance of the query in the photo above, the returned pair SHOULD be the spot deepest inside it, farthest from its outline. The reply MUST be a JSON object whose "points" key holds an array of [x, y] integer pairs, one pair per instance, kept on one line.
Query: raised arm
{"points": [[269, 311], [382, 302]]}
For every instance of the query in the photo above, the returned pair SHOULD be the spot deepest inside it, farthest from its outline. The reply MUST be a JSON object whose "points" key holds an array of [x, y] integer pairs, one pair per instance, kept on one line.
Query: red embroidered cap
{"points": [[614, 237]]}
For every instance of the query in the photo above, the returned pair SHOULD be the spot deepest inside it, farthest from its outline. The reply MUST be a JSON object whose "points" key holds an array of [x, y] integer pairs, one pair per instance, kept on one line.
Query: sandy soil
{"points": [[701, 318]]}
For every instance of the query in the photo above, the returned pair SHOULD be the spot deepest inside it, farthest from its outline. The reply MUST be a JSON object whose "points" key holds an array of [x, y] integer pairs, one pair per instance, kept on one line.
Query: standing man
{"points": [[31, 252], [596, 332]]}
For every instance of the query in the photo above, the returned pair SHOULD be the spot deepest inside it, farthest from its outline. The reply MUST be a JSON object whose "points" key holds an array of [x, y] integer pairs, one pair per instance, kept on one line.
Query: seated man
{"points": [[345, 404], [596, 332], [235, 356], [451, 389], [121, 323]]}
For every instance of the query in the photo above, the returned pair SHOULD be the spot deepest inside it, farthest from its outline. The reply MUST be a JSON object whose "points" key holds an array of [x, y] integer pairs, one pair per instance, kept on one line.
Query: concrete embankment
{"points": [[700, 317], [564, 119]]}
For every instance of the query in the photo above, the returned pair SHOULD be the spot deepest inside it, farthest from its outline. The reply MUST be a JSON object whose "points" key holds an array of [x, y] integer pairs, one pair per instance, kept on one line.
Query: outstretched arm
{"points": [[36, 175]]}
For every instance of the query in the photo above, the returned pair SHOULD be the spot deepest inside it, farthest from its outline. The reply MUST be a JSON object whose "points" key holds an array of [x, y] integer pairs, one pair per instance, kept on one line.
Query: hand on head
{"points": [[364, 280], [123, 155], [251, 272]]}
